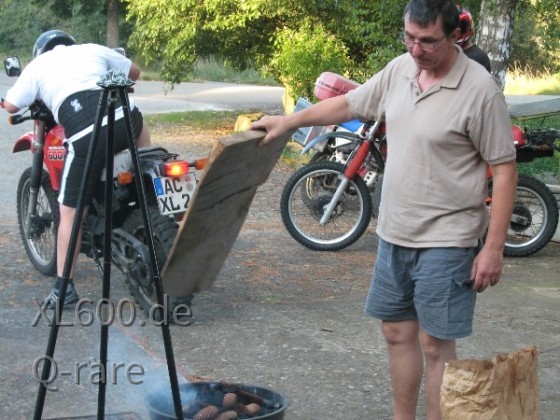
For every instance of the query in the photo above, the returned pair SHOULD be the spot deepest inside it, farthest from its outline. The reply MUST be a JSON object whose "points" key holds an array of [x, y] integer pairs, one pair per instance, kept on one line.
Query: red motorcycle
{"points": [[327, 204], [170, 181]]}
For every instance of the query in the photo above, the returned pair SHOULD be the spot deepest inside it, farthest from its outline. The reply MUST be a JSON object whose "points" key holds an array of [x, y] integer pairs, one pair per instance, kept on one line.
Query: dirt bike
{"points": [[170, 182], [310, 190], [314, 219], [334, 146]]}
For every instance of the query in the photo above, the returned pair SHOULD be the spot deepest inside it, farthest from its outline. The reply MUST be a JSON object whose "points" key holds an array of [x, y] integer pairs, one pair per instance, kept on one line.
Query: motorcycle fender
{"points": [[352, 137], [151, 168], [122, 162], [24, 143]]}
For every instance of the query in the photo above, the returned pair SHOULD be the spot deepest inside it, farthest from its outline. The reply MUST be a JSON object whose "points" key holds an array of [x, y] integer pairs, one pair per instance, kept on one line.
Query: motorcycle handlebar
{"points": [[17, 119]]}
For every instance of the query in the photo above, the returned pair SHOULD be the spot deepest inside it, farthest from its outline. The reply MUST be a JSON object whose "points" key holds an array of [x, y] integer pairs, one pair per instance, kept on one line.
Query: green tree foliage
{"points": [[371, 31], [293, 39], [536, 36], [24, 21], [301, 54], [352, 37], [175, 33]]}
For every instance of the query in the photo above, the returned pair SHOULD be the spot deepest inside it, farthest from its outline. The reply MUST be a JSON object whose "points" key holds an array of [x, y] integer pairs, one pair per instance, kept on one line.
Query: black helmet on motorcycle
{"points": [[50, 39], [465, 25]]}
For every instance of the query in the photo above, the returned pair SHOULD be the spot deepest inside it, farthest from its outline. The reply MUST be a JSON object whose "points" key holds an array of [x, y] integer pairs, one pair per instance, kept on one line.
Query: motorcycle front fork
{"points": [[36, 176], [335, 199], [354, 163]]}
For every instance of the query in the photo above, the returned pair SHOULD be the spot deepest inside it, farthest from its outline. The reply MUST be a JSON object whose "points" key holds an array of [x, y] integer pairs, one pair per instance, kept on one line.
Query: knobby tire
{"points": [[40, 243]]}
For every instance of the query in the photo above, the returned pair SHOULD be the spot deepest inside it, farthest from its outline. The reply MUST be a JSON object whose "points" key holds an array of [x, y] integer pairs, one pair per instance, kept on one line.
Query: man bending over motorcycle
{"points": [[64, 75]]}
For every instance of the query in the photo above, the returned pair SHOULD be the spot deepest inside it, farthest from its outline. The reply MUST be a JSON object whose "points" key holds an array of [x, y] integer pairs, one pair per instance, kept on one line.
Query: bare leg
{"points": [[67, 215], [143, 139], [436, 353], [405, 364]]}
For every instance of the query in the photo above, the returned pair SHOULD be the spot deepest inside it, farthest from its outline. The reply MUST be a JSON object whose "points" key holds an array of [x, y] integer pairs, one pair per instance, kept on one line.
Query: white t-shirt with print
{"points": [[56, 74]]}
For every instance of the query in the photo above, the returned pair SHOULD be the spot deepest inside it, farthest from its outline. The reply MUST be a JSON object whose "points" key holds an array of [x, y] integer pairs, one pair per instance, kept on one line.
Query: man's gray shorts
{"points": [[432, 285]]}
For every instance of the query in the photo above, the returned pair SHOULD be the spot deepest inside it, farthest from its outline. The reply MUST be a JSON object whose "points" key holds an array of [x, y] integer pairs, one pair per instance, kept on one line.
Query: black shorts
{"points": [[76, 156]]}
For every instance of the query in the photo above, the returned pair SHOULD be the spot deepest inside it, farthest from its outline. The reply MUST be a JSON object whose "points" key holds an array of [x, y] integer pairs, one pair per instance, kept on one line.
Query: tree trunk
{"points": [[495, 29], [113, 23]]}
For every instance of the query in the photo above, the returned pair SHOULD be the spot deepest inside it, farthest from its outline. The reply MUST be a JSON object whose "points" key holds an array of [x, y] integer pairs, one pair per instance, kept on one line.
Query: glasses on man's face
{"points": [[426, 46]]}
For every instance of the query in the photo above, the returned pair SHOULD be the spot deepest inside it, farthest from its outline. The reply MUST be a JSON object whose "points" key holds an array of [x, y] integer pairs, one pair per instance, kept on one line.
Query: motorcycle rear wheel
{"points": [[536, 207], [164, 232], [305, 197], [39, 240]]}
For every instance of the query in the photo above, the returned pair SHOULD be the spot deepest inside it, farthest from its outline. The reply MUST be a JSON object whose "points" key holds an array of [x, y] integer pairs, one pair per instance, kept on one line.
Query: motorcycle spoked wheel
{"points": [[303, 201], [536, 206], [144, 292], [324, 156], [40, 239]]}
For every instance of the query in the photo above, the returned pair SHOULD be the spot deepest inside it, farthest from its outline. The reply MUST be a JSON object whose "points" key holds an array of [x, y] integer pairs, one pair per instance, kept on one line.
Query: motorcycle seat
{"points": [[154, 151]]}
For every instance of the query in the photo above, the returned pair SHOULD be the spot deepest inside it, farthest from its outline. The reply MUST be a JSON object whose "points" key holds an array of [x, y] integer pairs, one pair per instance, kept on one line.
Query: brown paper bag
{"points": [[505, 387]]}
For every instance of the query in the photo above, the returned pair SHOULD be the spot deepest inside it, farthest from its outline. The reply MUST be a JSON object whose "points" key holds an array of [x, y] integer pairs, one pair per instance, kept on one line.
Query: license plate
{"points": [[174, 193]]}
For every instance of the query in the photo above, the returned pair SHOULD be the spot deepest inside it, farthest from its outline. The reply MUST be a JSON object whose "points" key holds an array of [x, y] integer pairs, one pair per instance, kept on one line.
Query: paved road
{"points": [[152, 98]]}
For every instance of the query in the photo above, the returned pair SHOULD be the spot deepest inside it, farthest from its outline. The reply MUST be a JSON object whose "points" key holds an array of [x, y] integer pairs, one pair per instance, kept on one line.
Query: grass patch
{"points": [[215, 70], [217, 121], [291, 155], [518, 83], [545, 169], [197, 119], [220, 71]]}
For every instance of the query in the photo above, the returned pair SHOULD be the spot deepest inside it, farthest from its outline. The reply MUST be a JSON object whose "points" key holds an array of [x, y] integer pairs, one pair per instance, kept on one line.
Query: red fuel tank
{"points": [[330, 84]]}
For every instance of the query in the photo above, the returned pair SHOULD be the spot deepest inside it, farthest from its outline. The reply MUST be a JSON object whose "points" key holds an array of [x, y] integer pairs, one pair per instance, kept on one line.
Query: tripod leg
{"points": [[109, 164], [168, 345]]}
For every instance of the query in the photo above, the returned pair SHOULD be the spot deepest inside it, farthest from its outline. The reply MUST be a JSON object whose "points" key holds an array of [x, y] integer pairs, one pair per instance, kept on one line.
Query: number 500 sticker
{"points": [[56, 153]]}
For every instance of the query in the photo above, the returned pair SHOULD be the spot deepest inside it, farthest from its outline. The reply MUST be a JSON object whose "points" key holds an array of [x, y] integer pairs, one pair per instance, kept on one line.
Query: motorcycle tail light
{"points": [[175, 168], [200, 163], [124, 178]]}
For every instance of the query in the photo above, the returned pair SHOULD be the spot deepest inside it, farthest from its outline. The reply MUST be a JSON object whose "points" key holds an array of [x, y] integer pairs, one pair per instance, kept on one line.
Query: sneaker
{"points": [[70, 298]]}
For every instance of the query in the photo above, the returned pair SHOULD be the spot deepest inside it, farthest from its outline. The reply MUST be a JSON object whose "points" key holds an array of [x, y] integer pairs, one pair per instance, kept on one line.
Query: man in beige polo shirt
{"points": [[446, 121]]}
